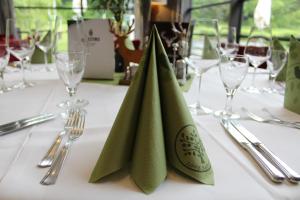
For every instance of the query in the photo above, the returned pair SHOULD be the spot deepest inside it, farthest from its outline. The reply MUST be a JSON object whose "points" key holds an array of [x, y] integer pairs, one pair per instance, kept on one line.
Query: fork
{"points": [[276, 118], [272, 121], [47, 160], [75, 132]]}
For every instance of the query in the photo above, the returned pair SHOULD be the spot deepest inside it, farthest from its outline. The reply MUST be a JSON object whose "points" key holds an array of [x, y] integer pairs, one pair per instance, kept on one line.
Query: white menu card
{"points": [[100, 62]]}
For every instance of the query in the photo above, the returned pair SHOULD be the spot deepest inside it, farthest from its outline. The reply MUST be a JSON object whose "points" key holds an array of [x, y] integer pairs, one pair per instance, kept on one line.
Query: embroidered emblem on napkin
{"points": [[188, 145]]}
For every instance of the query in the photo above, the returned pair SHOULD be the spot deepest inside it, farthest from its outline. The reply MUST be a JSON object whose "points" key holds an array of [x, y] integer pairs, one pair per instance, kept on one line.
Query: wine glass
{"points": [[23, 46], [4, 58], [207, 57], [70, 63], [233, 70], [275, 65], [70, 68], [45, 36], [258, 51], [229, 46]]}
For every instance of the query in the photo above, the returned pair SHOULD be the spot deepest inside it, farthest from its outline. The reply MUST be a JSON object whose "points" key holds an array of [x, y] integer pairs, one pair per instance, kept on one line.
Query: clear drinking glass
{"points": [[22, 47], [207, 51], [70, 63], [4, 58], [233, 70], [229, 45], [45, 34], [275, 64], [258, 51], [70, 68]]}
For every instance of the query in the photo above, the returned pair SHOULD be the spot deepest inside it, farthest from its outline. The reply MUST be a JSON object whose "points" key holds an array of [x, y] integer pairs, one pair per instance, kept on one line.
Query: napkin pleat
{"points": [[149, 161], [117, 151], [177, 120]]}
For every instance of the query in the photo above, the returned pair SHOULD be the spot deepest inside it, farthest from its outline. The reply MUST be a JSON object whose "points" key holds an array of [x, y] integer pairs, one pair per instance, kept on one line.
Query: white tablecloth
{"points": [[237, 176]]}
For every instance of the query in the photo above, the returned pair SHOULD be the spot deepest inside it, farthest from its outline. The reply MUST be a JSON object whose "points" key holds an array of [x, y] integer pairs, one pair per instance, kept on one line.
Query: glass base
{"points": [[49, 68], [78, 103], [197, 109], [273, 91], [252, 89], [24, 84], [4, 89], [225, 115], [65, 115]]}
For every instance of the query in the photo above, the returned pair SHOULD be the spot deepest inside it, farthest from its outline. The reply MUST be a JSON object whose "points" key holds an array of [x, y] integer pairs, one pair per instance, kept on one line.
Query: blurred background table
{"points": [[237, 176]]}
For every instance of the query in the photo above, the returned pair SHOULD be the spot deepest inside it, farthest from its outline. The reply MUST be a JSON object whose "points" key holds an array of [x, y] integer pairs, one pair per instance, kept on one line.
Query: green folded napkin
{"points": [[154, 128], [208, 51], [292, 90], [278, 46], [38, 55]]}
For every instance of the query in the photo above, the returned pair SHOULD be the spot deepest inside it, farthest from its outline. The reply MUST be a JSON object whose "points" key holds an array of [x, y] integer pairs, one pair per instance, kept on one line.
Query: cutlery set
{"points": [[73, 129], [49, 157], [272, 119], [275, 169], [77, 122]]}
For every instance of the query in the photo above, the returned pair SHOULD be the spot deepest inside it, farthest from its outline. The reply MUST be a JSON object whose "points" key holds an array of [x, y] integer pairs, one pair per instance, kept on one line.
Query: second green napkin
{"points": [[208, 51], [38, 55], [278, 46], [292, 89], [154, 128]]}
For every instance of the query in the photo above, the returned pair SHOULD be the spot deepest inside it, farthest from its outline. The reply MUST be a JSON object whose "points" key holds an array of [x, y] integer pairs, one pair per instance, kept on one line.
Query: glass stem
{"points": [[199, 88], [72, 93], [229, 97], [272, 82], [46, 60], [2, 85], [253, 77], [23, 71]]}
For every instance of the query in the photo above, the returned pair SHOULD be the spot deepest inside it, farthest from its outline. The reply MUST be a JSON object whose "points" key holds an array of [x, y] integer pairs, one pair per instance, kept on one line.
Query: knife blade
{"points": [[292, 176], [272, 172], [23, 123]]}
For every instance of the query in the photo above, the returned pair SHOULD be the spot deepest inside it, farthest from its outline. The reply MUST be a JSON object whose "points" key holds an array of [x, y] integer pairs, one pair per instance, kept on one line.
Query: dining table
{"points": [[236, 174]]}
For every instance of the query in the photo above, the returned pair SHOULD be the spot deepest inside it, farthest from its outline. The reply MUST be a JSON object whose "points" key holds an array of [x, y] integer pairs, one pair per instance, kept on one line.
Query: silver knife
{"points": [[272, 172], [292, 176], [23, 123]]}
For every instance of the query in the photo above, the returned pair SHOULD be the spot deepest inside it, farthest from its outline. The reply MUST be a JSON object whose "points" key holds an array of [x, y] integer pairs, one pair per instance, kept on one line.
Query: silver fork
{"points": [[272, 121], [76, 131], [276, 118], [49, 156]]}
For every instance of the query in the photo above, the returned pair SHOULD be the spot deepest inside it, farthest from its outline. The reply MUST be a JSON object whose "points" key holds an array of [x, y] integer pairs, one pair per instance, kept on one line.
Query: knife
{"points": [[292, 176], [23, 123], [272, 172]]}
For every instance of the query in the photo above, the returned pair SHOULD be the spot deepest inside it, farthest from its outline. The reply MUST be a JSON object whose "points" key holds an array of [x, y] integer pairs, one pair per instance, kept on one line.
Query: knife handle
{"points": [[292, 176], [272, 172]]}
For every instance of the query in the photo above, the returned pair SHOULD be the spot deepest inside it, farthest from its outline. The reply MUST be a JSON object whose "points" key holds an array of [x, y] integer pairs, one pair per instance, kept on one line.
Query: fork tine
{"points": [[82, 121], [70, 120], [78, 127]]}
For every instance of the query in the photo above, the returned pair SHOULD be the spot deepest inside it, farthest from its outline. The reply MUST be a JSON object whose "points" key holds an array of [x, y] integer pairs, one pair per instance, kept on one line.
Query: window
{"points": [[284, 20]]}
